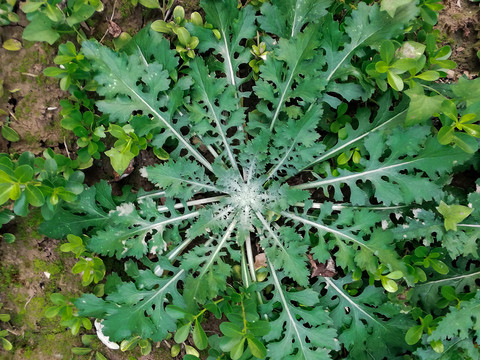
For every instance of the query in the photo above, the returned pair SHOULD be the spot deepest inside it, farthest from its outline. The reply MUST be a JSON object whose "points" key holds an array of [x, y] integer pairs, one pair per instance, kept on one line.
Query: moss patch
{"points": [[27, 228], [7, 274], [126, 8]]}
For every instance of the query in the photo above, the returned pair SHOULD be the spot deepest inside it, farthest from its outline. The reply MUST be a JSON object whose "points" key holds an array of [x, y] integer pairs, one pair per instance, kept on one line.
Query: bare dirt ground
{"points": [[32, 268], [30, 99], [459, 26]]}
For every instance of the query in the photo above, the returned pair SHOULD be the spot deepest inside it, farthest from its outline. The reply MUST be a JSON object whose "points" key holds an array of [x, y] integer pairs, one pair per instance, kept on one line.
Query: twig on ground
{"points": [[111, 19]]}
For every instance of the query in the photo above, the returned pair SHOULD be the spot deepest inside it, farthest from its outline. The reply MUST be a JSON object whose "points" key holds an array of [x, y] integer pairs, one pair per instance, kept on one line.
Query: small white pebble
{"points": [[416, 212], [158, 270], [384, 224]]}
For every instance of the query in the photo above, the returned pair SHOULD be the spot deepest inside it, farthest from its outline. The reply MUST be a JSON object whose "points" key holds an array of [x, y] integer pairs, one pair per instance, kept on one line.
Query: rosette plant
{"points": [[307, 181]]}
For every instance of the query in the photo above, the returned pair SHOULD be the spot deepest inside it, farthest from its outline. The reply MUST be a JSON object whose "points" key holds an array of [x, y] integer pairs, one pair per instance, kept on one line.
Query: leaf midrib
{"points": [[187, 145]]}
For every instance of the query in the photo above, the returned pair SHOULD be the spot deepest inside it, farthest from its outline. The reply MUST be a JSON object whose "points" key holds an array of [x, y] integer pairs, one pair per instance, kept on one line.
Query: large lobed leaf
{"points": [[181, 178], [354, 238], [368, 325], [137, 308], [212, 271], [286, 18], [130, 84], [301, 332], [460, 321], [129, 229], [89, 211], [214, 102], [367, 26], [244, 148], [234, 26], [392, 168], [293, 57]]}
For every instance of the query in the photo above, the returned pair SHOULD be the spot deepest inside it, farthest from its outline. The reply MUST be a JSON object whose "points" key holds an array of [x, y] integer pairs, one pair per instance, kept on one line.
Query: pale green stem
{"points": [[251, 262], [469, 225], [245, 275], [193, 203], [155, 194]]}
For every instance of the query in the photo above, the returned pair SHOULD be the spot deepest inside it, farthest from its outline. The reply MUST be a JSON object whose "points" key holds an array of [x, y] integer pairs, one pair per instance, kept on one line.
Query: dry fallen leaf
{"points": [[128, 171], [260, 261], [320, 269], [114, 29]]}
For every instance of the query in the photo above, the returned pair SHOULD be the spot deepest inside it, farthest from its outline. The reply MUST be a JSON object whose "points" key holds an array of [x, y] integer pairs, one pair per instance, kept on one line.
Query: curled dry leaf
{"points": [[322, 269], [114, 29], [128, 171], [260, 261]]}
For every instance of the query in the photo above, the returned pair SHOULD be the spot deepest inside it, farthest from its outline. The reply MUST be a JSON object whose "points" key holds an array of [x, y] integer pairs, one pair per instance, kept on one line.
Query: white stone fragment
{"points": [[104, 339], [143, 172]]}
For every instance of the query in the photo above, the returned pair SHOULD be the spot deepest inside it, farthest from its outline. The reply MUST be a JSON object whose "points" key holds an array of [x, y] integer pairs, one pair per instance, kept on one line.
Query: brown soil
{"points": [[459, 26], [30, 98], [31, 270]]}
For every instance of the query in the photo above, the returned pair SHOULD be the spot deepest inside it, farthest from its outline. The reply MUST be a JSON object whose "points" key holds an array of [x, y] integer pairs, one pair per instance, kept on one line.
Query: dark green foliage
{"points": [[48, 20], [46, 182]]}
